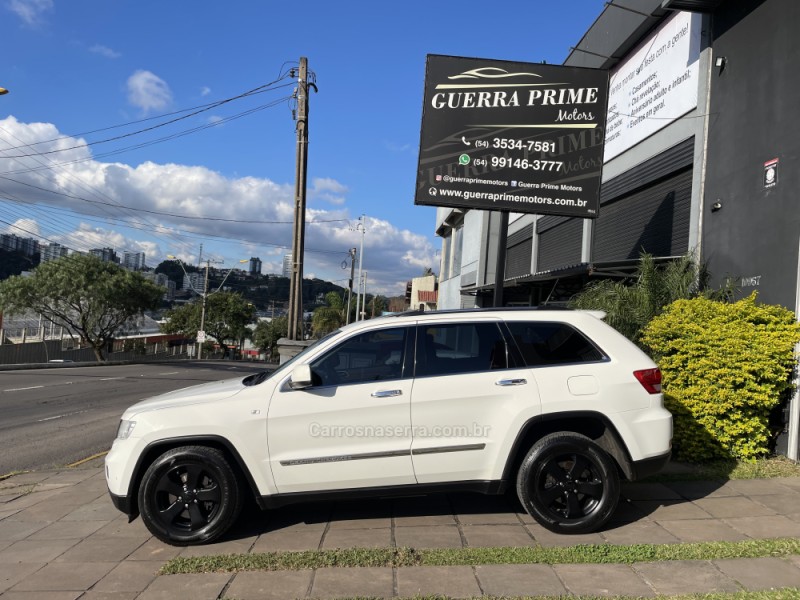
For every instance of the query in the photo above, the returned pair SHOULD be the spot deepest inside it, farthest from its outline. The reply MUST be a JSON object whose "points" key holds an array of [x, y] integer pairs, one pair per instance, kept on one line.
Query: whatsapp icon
{"points": [[463, 159]]}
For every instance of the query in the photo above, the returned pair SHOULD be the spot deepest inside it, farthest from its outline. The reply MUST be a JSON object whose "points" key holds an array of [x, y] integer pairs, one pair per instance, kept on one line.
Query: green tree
{"points": [[266, 334], [630, 306], [227, 317], [328, 318], [91, 299]]}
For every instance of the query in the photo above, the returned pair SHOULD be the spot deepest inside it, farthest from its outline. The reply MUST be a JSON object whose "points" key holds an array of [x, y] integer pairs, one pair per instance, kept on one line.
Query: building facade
{"points": [[255, 266], [701, 152], [133, 261]]}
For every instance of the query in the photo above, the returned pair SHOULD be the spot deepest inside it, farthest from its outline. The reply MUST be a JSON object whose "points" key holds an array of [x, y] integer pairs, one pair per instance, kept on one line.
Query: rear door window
{"points": [[544, 343]]}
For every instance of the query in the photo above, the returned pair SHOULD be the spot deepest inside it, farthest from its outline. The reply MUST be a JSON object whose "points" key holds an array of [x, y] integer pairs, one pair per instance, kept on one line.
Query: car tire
{"points": [[189, 495], [568, 483]]}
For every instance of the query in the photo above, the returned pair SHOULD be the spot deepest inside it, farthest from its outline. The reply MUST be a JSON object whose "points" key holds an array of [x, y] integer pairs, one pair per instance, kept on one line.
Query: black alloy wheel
{"points": [[189, 495], [568, 483]]}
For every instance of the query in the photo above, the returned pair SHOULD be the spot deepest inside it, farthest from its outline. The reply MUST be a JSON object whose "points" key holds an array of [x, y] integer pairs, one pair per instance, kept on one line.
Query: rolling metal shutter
{"points": [[559, 243], [653, 220], [518, 252]]}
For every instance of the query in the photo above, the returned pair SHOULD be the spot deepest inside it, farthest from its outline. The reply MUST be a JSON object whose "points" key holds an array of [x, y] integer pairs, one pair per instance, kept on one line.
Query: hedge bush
{"points": [[725, 367]]}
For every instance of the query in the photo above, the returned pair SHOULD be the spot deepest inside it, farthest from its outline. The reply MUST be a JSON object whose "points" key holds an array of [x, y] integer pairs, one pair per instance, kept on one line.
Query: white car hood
{"points": [[196, 394]]}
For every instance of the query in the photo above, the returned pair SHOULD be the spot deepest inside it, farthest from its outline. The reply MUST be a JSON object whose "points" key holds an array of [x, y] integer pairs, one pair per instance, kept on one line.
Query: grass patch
{"points": [[780, 594], [408, 557]]}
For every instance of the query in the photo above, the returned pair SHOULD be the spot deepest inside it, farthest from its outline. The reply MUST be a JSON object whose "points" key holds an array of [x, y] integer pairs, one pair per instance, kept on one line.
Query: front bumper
{"points": [[124, 504]]}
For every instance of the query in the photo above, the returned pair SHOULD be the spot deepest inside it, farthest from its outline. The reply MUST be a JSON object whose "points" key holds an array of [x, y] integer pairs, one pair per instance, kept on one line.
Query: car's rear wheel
{"points": [[189, 495], [568, 483]]}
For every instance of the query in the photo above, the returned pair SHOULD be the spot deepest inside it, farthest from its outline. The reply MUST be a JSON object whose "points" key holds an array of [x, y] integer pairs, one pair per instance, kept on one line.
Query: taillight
{"points": [[650, 380]]}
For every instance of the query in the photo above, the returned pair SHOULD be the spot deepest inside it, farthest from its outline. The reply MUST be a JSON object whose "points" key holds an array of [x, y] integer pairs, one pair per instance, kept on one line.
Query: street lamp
{"points": [[362, 225]]}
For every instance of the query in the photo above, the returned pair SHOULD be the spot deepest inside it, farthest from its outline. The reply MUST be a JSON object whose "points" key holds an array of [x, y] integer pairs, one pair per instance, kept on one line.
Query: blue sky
{"points": [[79, 66]]}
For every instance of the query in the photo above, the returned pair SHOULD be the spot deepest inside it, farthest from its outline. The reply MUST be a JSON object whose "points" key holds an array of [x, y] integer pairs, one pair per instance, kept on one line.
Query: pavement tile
{"points": [[94, 548], [265, 585], [648, 491], [223, 547], [28, 551], [792, 482], [352, 581], [93, 512], [429, 510], [65, 577], [795, 560], [761, 573], [364, 522], [434, 536], [42, 595], [758, 487], [154, 549], [692, 490], [357, 538], [695, 576], [70, 477], [501, 518], [30, 477], [497, 535], [66, 530], [200, 586], [44, 511], [454, 582], [545, 537], [129, 576], [733, 507], [7, 512], [13, 531], [780, 503], [288, 540], [10, 575], [662, 510], [766, 527], [121, 528], [637, 532], [699, 530], [602, 580], [94, 595], [519, 580], [628, 511]]}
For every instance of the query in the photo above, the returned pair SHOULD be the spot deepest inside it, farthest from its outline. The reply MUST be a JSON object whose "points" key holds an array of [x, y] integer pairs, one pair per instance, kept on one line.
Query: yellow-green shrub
{"points": [[725, 367]]}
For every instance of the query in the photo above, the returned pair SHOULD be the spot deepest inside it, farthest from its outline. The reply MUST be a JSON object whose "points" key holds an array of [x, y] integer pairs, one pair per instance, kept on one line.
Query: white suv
{"points": [[553, 402]]}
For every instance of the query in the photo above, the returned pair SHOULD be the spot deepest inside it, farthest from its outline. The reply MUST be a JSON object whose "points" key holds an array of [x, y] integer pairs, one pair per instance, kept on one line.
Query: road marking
{"points": [[33, 387], [80, 412], [170, 373], [87, 459], [110, 378]]}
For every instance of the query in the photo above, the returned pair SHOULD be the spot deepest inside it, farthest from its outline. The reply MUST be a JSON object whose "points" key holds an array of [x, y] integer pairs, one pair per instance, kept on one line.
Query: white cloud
{"points": [[30, 11], [148, 91], [104, 51], [239, 217], [23, 228], [205, 91]]}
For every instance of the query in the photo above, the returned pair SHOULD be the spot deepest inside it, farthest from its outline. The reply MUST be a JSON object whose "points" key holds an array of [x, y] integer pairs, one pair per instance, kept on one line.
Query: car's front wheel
{"points": [[189, 495], [568, 483]]}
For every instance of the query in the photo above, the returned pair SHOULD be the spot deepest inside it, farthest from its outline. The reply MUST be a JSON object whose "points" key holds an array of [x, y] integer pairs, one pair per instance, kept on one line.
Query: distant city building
{"points": [[287, 265], [14, 243], [165, 282], [52, 252], [255, 266], [193, 282], [133, 261], [105, 254]]}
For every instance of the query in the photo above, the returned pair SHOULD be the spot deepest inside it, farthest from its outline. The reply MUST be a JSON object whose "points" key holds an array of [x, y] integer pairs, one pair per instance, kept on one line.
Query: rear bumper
{"points": [[649, 466]]}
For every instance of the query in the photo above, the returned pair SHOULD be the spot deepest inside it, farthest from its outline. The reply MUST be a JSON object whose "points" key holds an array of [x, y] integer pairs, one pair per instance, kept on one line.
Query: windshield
{"points": [[264, 375]]}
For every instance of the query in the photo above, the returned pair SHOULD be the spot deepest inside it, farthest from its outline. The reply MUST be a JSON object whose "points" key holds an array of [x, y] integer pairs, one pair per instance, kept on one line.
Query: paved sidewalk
{"points": [[61, 538]]}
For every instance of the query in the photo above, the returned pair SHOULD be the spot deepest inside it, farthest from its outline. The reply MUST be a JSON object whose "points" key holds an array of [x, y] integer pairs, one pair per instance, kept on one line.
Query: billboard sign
{"points": [[509, 136]]}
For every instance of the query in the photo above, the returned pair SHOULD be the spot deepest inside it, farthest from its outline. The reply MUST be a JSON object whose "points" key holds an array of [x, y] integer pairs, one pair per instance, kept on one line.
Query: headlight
{"points": [[125, 429]]}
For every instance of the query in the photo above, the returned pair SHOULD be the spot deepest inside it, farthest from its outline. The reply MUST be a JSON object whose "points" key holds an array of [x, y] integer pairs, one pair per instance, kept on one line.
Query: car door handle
{"points": [[505, 382], [386, 393]]}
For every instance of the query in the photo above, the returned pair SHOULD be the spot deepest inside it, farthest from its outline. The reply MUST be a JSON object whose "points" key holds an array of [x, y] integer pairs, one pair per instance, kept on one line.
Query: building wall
{"points": [[753, 237]]}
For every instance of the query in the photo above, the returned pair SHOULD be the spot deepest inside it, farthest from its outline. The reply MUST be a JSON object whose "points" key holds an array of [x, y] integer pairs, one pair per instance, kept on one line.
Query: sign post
{"points": [[512, 137]]}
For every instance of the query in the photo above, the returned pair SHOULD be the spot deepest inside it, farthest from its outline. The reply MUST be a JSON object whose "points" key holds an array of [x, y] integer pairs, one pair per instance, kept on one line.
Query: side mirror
{"points": [[300, 377]]}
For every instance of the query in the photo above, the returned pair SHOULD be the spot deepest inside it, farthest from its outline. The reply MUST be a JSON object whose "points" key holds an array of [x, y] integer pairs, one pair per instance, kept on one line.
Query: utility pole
{"points": [[362, 225], [298, 235], [350, 284], [203, 314]]}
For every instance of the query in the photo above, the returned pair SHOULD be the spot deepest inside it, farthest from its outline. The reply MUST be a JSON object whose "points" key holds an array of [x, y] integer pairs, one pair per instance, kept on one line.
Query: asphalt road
{"points": [[54, 417]]}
